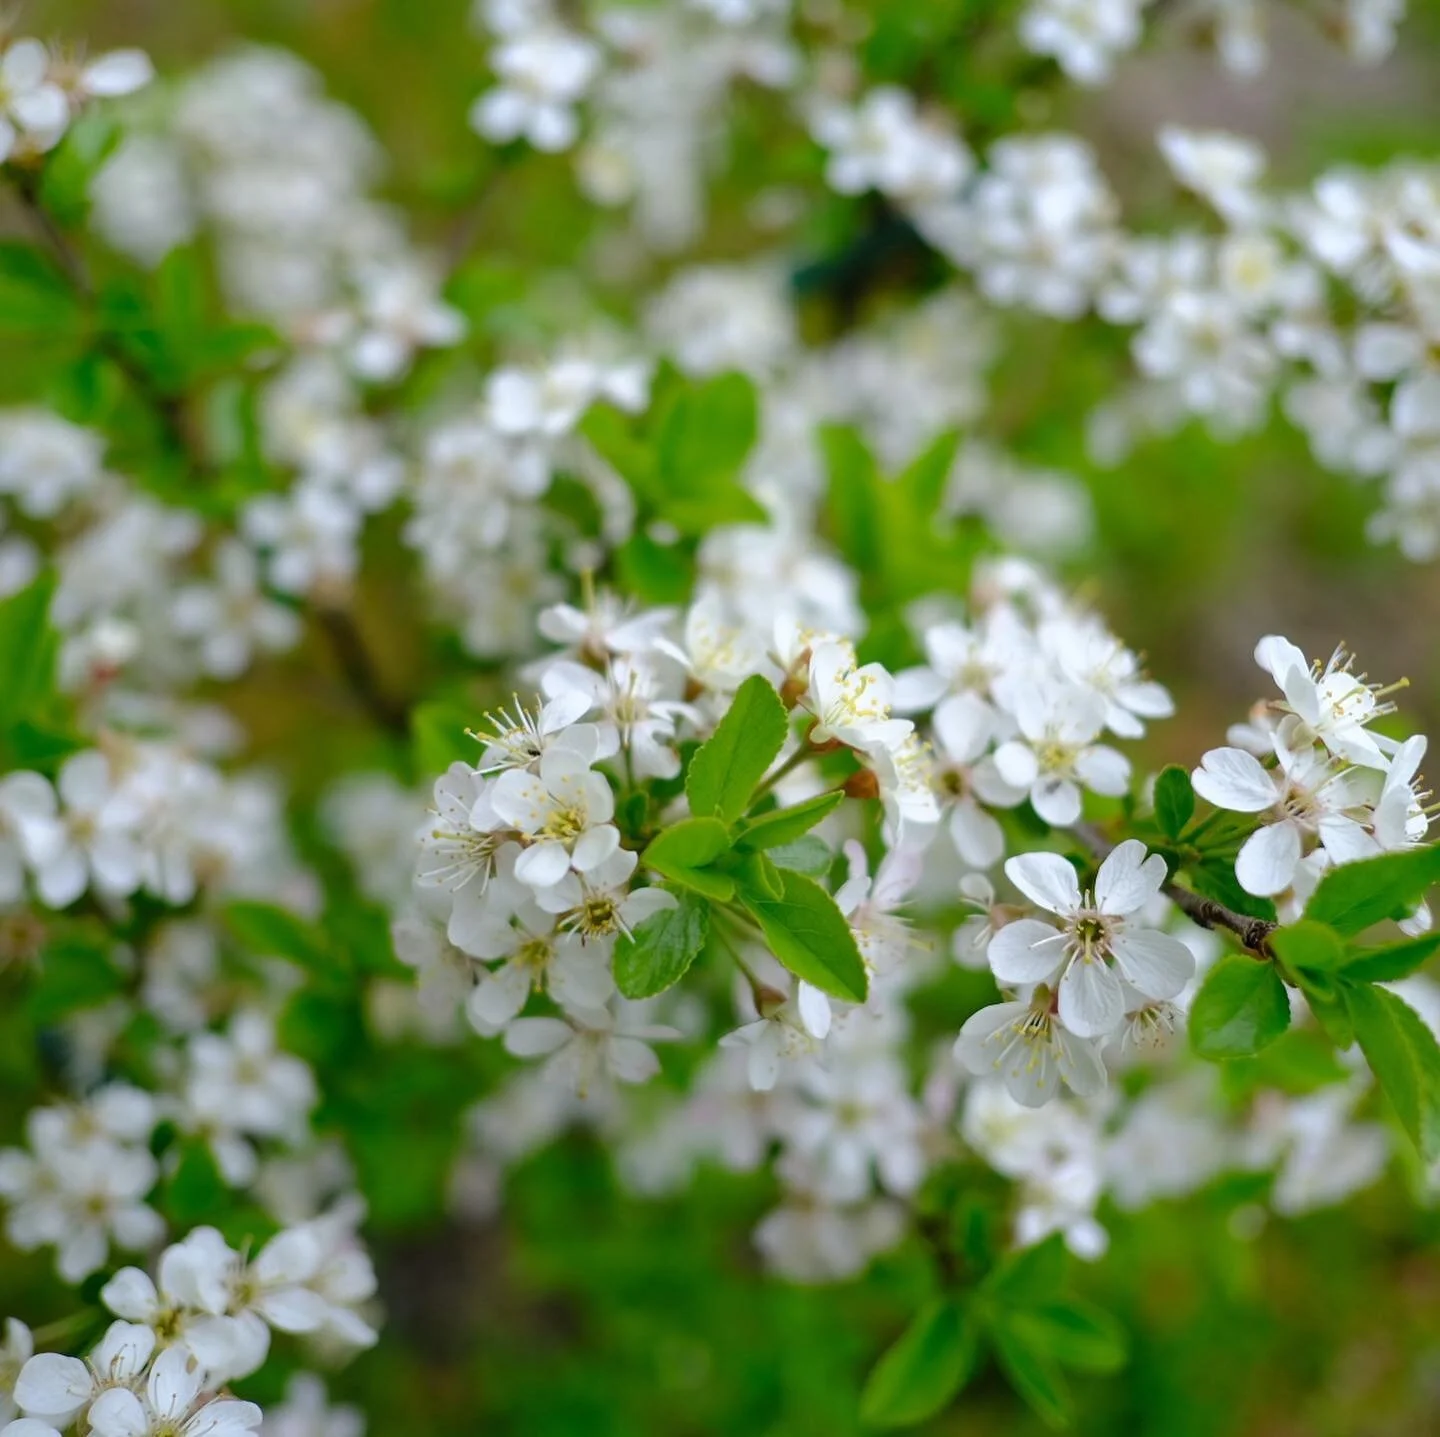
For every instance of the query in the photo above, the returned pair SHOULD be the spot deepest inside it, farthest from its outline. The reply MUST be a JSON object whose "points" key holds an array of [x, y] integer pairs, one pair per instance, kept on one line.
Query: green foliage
{"points": [[76, 970], [809, 935], [685, 853], [928, 1364], [267, 931], [809, 855], [725, 769], [1404, 1056], [1240, 1008], [1354, 896], [787, 825], [1174, 801], [660, 951], [28, 648]]}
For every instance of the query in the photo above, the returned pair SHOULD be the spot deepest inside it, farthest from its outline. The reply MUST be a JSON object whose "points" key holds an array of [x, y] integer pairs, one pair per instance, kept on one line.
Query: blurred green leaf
{"points": [[928, 1364], [1405, 1058]]}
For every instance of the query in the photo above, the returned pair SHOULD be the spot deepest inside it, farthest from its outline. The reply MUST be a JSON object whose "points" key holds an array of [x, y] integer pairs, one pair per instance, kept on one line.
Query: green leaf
{"points": [[1174, 801], [1032, 1275], [785, 825], [75, 971], [685, 851], [268, 931], [1299, 1061], [438, 737], [1309, 946], [809, 935], [1033, 1374], [1354, 896], [1241, 1007], [655, 573], [708, 430], [850, 503], [930, 1362], [1074, 1334], [1214, 876], [28, 648], [1405, 1058], [660, 951], [35, 297], [758, 877], [1392, 961], [726, 768], [809, 855], [73, 164]]}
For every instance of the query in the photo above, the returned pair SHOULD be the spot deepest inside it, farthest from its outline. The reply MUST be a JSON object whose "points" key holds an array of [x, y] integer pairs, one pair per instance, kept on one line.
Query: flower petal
{"points": [[1046, 879]]}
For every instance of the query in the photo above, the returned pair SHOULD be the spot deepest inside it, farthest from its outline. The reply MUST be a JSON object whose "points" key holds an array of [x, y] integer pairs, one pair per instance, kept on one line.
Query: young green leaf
{"points": [[785, 825], [1241, 1007], [1308, 946], [1405, 1058], [756, 875], [660, 951], [726, 768], [931, 1361], [1391, 961], [1353, 896], [684, 852], [268, 931], [1174, 801], [809, 935], [1032, 1275]]}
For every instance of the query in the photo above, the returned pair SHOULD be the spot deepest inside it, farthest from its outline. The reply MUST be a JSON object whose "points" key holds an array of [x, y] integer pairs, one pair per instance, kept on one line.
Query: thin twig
{"points": [[1253, 933], [351, 653]]}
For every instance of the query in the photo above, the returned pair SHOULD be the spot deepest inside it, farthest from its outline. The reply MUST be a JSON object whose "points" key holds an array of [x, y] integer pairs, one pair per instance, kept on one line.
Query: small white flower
{"points": [[1030, 1050], [1096, 948], [171, 1405]]}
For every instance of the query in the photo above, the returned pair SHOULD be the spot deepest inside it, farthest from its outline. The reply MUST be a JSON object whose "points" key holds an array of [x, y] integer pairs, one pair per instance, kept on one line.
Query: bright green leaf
{"points": [[1309, 946], [1241, 1006], [1405, 1058], [684, 852], [785, 825], [1353, 896], [1033, 1374], [28, 648], [1392, 961], [726, 768], [660, 951], [809, 935], [809, 855], [1032, 1275], [931, 1361]]}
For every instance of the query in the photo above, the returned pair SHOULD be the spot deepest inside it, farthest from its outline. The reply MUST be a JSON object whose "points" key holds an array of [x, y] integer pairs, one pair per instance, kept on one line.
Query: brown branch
{"points": [[353, 656], [1253, 933]]}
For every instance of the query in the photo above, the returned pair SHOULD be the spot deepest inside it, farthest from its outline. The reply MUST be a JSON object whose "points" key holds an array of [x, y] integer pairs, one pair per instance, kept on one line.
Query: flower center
{"points": [[564, 824]]}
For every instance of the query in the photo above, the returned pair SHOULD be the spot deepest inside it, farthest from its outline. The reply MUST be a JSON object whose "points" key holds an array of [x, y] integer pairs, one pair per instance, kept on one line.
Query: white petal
{"points": [[1104, 770], [1015, 763], [1092, 1002], [543, 864], [175, 1382], [1046, 879], [814, 1009], [1127, 879], [1057, 801], [497, 998], [534, 1037], [53, 1386], [594, 846], [124, 1350], [1015, 957], [121, 72], [1156, 964], [1235, 780], [225, 1417], [631, 1061], [1266, 862], [1277, 656], [118, 1413]]}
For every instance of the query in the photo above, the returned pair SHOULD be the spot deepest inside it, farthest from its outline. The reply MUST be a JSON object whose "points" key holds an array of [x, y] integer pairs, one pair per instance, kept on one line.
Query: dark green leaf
{"points": [[1241, 1007], [1354, 896], [1032, 1275], [1033, 1374], [785, 825], [1073, 1333], [656, 956], [809, 935], [75, 971], [1404, 1057], [726, 768], [1174, 801], [35, 297], [931, 1361]]}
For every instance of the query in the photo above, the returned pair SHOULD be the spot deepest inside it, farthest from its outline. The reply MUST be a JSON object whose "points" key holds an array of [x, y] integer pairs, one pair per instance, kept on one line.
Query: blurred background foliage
{"points": [[581, 1310]]}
